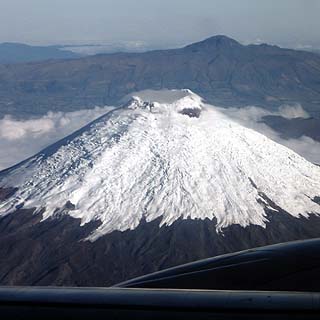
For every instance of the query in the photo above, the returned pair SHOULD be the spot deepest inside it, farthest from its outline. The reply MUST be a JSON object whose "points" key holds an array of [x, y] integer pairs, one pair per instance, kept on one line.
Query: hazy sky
{"points": [[159, 22]]}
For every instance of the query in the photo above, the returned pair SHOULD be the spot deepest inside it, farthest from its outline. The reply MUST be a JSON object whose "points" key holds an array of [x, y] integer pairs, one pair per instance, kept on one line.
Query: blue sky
{"points": [[159, 22]]}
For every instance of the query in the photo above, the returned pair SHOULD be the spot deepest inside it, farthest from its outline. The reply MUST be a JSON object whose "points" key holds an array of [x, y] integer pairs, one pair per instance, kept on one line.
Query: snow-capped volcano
{"points": [[164, 155]]}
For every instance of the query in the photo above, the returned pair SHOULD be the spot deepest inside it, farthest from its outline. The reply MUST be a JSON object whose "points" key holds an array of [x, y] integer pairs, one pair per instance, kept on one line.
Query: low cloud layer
{"points": [[293, 111], [254, 114], [20, 139], [252, 117]]}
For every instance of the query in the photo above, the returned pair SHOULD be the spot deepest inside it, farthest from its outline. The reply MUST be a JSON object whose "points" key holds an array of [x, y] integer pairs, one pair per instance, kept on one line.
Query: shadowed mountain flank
{"points": [[52, 253]]}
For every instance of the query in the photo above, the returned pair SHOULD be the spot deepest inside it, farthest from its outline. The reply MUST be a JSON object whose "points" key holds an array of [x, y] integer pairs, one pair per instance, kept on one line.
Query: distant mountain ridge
{"points": [[12, 52], [219, 69]]}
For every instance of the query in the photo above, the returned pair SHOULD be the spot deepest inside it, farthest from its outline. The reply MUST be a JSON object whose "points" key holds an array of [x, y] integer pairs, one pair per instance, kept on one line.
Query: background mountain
{"points": [[11, 52], [220, 69]]}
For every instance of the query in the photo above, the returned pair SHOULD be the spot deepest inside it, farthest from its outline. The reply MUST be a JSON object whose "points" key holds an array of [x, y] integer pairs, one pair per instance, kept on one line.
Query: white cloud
{"points": [[293, 111], [20, 139], [251, 117], [252, 113], [304, 146]]}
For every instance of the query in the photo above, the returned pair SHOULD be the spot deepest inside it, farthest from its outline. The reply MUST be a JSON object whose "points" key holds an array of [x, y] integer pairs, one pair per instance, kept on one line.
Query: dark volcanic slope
{"points": [[219, 69], [52, 253]]}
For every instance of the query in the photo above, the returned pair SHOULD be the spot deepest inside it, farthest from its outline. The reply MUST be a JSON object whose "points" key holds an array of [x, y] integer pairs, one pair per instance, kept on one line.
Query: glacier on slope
{"points": [[169, 155]]}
